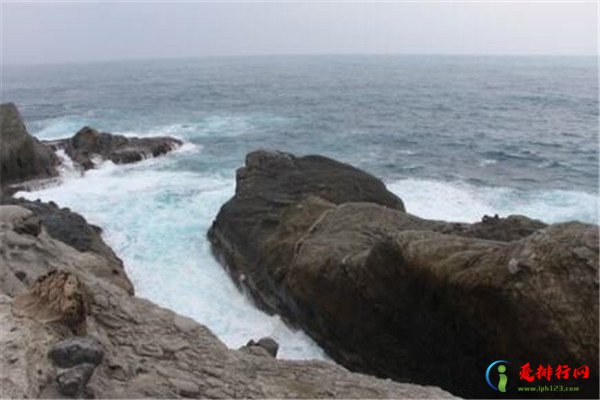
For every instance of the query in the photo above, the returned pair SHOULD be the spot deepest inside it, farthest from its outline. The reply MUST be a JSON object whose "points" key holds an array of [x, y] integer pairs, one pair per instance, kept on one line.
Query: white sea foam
{"points": [[462, 202], [59, 128], [484, 162], [156, 220]]}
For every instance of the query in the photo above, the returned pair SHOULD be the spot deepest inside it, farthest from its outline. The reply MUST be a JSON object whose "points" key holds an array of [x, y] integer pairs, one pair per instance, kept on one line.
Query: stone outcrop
{"points": [[71, 228], [25, 161], [88, 146], [22, 157], [133, 348], [265, 346], [266, 185], [77, 350], [57, 296], [395, 295]]}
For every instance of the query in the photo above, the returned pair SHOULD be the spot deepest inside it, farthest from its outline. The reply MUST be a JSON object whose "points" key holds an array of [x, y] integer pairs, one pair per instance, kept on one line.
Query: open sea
{"points": [[456, 137]]}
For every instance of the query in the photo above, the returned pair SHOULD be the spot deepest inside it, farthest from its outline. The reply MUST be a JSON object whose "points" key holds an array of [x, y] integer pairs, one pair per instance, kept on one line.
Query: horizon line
{"points": [[216, 56]]}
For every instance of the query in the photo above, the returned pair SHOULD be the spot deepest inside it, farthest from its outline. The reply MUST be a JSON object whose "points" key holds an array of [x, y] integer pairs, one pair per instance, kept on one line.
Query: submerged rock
{"points": [[22, 157], [395, 295], [88, 144]]}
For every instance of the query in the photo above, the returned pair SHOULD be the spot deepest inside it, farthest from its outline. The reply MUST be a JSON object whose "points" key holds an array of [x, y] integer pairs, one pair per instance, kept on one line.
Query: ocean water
{"points": [[455, 137]]}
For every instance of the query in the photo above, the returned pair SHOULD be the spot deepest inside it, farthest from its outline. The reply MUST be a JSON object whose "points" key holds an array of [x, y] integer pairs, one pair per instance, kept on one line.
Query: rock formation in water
{"points": [[391, 294], [22, 157], [88, 146], [69, 331]]}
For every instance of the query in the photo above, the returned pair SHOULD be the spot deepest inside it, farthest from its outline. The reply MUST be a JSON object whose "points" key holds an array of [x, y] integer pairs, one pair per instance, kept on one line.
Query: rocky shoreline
{"points": [[319, 242], [390, 294], [72, 327], [146, 351], [26, 161]]}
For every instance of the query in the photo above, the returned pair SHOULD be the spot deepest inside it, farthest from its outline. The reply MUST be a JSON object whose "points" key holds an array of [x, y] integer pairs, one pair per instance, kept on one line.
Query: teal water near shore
{"points": [[455, 137]]}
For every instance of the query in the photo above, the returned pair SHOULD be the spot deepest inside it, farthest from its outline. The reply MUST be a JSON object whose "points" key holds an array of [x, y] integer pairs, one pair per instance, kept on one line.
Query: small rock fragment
{"points": [[72, 381], [77, 350]]}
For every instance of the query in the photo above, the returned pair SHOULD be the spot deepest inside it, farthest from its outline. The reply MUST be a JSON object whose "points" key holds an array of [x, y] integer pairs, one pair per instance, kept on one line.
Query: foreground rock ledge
{"points": [[148, 351], [395, 295]]}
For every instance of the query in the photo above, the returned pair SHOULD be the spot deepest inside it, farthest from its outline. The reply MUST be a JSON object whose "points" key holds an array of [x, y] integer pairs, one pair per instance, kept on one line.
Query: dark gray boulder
{"points": [[388, 293], [22, 157], [388, 296], [77, 350], [265, 346], [88, 143], [268, 183]]}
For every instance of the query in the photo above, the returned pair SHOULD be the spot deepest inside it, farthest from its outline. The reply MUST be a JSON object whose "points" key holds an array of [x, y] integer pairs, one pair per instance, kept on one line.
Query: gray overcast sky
{"points": [[65, 32]]}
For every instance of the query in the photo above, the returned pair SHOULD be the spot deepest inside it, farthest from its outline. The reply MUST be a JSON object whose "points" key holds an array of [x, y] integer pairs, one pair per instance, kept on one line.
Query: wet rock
{"points": [[88, 144]]}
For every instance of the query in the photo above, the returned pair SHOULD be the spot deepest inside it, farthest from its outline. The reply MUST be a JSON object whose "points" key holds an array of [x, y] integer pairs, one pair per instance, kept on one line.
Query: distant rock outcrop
{"points": [[22, 157], [88, 144], [132, 347], [395, 295]]}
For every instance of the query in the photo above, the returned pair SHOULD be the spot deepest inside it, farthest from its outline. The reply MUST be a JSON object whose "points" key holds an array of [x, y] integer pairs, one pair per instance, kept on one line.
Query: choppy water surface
{"points": [[455, 137]]}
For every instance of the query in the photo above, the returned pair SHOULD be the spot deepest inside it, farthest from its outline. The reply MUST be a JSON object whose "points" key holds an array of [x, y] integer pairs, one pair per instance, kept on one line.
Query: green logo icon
{"points": [[502, 377]]}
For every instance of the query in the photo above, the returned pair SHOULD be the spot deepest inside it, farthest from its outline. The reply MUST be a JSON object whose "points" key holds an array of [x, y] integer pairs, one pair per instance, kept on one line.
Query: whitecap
{"points": [[484, 162], [156, 219], [463, 202]]}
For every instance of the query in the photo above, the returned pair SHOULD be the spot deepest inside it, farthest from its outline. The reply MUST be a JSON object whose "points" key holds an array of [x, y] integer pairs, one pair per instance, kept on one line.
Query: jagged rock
{"points": [[268, 183], [77, 350], [57, 296], [391, 294], [265, 346], [514, 227], [30, 226], [149, 351], [72, 229], [12, 214], [22, 157], [71, 382], [88, 143], [417, 305]]}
